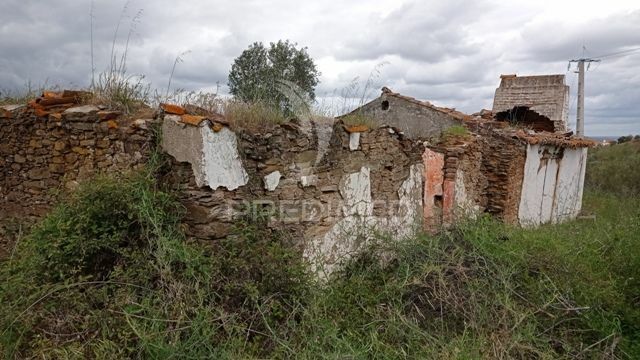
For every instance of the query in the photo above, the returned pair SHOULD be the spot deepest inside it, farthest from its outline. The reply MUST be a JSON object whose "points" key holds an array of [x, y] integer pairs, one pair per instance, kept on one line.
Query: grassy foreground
{"points": [[108, 275]]}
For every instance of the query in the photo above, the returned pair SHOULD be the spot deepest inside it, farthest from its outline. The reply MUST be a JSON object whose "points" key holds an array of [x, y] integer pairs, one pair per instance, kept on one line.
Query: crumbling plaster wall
{"points": [[213, 155], [330, 205], [473, 175], [414, 120], [553, 184]]}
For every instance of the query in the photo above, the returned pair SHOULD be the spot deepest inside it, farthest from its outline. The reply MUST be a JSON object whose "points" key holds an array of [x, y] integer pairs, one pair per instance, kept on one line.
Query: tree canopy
{"points": [[258, 74]]}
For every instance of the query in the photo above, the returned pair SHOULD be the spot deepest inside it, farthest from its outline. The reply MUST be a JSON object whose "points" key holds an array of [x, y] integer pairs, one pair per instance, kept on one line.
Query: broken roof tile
{"points": [[216, 127], [173, 109], [56, 116], [194, 120], [356, 128], [548, 138], [41, 112], [51, 94]]}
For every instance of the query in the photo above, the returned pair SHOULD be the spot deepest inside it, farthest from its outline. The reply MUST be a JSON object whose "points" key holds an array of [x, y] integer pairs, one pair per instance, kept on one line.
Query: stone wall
{"points": [[473, 174], [43, 152], [329, 202], [547, 95]]}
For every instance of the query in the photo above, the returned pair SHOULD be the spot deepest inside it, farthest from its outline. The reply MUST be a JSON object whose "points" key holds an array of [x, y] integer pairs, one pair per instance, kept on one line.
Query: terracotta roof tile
{"points": [[194, 120], [357, 128], [539, 138], [173, 109]]}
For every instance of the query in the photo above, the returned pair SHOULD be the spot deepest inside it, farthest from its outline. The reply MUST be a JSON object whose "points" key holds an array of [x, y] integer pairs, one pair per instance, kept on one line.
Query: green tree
{"points": [[624, 139], [259, 73]]}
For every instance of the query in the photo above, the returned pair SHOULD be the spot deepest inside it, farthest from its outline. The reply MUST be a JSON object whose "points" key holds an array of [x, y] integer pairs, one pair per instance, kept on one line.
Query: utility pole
{"points": [[580, 111]]}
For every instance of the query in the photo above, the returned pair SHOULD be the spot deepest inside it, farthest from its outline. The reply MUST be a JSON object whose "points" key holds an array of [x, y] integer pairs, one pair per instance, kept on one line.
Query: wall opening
{"points": [[437, 201], [525, 117], [385, 105]]}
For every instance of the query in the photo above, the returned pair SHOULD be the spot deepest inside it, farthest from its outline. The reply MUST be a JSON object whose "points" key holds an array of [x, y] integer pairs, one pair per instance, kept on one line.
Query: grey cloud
{"points": [[556, 41], [427, 31], [450, 53]]}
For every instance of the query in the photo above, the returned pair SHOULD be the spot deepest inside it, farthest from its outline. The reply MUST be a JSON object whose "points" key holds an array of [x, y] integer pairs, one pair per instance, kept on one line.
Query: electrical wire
{"points": [[617, 53]]}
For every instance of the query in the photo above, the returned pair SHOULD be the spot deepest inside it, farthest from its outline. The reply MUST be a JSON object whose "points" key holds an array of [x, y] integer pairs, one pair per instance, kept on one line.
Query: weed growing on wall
{"points": [[455, 132]]}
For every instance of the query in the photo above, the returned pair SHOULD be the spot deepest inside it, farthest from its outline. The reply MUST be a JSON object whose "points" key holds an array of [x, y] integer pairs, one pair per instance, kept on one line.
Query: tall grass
{"points": [[115, 86], [615, 169], [24, 95], [108, 274]]}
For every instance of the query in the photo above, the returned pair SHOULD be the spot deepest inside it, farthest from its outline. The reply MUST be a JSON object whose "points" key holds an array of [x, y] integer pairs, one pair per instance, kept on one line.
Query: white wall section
{"points": [[553, 185], [213, 156]]}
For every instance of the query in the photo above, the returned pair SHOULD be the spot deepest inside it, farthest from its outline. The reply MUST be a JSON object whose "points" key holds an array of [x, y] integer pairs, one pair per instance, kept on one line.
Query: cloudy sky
{"points": [[448, 52]]}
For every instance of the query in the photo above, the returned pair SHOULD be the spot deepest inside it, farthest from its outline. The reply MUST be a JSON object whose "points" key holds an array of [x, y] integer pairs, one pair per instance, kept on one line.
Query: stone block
{"points": [[38, 174]]}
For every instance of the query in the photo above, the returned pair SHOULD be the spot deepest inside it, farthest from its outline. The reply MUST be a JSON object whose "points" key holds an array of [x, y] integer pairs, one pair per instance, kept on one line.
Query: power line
{"points": [[618, 53]]}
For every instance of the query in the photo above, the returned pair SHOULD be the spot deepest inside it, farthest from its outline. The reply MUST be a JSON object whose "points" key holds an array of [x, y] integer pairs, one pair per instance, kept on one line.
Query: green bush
{"points": [[108, 274]]}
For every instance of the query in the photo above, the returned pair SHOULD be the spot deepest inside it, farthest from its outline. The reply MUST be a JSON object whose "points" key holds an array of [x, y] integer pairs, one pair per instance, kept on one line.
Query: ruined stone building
{"points": [[516, 162], [331, 187], [540, 102], [523, 178], [416, 119]]}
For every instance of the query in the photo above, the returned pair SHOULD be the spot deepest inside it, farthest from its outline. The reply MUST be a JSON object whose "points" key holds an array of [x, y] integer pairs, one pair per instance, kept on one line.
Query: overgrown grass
{"points": [[358, 119], [455, 132], [24, 95], [615, 169], [252, 116], [109, 275]]}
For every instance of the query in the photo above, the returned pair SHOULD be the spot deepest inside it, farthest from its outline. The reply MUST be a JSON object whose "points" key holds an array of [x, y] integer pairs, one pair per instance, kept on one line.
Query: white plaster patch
{"points": [[356, 193], [348, 235], [221, 162], [272, 180], [532, 188], [326, 251], [410, 205], [184, 144], [569, 185], [354, 141], [308, 180]]}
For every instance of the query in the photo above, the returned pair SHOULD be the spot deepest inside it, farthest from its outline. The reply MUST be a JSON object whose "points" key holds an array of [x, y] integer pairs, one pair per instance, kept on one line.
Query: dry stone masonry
{"points": [[49, 148], [330, 187], [364, 182]]}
